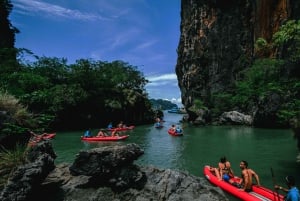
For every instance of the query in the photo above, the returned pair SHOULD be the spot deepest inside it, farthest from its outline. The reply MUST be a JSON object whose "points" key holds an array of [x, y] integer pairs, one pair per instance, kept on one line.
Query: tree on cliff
{"points": [[287, 39]]}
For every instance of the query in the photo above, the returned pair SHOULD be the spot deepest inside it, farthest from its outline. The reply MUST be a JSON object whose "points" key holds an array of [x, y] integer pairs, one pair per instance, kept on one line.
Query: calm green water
{"points": [[262, 148]]}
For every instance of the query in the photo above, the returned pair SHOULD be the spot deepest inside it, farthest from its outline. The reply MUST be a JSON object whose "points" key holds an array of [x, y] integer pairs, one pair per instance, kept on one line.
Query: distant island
{"points": [[160, 104]]}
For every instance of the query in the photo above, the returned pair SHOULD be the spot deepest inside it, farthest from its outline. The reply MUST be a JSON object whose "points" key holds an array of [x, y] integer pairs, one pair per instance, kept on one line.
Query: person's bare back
{"points": [[247, 175]]}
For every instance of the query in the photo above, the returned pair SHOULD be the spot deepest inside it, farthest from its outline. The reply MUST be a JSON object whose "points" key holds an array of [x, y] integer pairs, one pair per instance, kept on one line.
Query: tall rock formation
{"points": [[217, 42], [8, 31]]}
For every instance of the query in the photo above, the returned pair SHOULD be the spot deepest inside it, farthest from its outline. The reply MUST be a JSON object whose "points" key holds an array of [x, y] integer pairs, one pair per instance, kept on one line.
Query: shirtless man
{"points": [[247, 175], [173, 128], [101, 133], [114, 133]]}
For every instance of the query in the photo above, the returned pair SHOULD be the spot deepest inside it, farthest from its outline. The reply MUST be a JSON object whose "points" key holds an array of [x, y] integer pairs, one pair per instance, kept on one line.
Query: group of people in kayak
{"points": [[101, 133], [224, 172], [104, 133], [175, 129], [158, 122]]}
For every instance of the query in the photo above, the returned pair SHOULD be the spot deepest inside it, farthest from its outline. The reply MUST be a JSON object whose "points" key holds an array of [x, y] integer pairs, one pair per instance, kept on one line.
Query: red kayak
{"points": [[174, 133], [49, 135], [121, 129], [37, 138], [258, 193], [105, 138]]}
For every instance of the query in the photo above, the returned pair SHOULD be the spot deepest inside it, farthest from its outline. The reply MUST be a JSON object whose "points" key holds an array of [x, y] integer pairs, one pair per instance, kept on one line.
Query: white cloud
{"points": [[38, 7], [175, 100], [164, 87], [171, 76], [162, 80], [121, 38], [146, 44]]}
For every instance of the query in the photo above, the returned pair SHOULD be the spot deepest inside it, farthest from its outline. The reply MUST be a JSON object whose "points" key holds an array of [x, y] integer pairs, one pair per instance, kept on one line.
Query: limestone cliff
{"points": [[217, 42]]}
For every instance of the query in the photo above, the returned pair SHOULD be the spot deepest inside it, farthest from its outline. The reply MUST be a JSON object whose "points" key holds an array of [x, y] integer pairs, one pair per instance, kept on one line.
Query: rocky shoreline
{"points": [[106, 173]]}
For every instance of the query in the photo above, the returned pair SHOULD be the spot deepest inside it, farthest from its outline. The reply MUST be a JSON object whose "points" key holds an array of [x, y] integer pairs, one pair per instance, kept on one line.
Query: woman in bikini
{"points": [[225, 169]]}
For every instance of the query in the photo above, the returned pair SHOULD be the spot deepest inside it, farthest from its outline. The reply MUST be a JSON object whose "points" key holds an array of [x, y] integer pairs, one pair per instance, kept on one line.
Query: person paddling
{"points": [[292, 191], [88, 133], [114, 133], [101, 133]]}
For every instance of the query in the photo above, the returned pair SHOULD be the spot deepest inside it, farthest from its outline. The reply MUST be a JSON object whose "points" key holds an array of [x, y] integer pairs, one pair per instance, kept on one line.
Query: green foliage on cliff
{"points": [[262, 47], [16, 119], [262, 77], [223, 101], [9, 160], [289, 36], [198, 105], [266, 76]]}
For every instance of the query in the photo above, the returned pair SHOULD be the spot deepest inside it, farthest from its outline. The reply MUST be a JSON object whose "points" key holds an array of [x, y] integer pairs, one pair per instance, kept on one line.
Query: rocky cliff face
{"points": [[217, 42], [216, 38]]}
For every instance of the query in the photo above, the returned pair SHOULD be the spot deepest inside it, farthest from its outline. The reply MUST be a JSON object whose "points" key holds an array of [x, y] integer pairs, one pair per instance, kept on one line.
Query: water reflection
{"points": [[161, 149]]}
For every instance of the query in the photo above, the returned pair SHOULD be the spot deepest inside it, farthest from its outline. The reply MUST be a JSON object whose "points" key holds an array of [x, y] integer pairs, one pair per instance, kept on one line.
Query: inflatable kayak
{"points": [[49, 135], [37, 138], [121, 129], [105, 138], [258, 193], [158, 125], [174, 133]]}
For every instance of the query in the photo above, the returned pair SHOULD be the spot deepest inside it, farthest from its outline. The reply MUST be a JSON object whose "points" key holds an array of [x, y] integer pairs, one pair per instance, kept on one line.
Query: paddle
{"points": [[274, 183]]}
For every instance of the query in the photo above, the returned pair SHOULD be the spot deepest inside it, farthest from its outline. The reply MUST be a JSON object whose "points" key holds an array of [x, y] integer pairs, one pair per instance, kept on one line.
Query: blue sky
{"points": [[143, 33]]}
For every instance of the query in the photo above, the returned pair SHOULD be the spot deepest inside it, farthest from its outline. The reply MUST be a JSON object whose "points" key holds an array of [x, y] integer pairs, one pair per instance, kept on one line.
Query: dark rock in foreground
{"points": [[162, 184], [27, 178], [107, 173]]}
